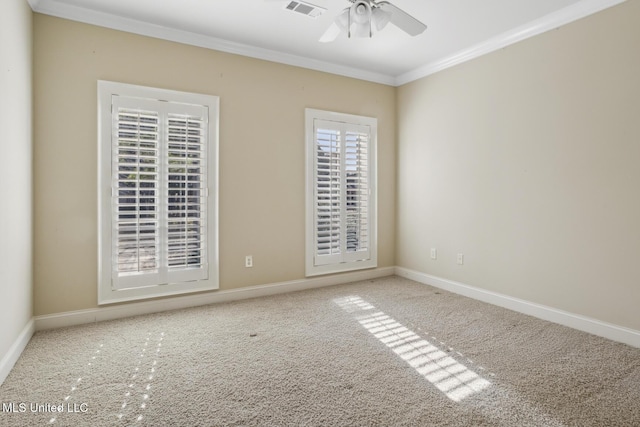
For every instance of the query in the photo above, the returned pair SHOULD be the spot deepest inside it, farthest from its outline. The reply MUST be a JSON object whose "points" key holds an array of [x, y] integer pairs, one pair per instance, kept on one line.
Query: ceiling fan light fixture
{"points": [[361, 30], [361, 12], [342, 21], [380, 18]]}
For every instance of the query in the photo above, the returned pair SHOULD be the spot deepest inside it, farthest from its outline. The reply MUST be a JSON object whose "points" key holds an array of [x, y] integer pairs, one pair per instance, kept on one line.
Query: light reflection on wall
{"points": [[447, 374]]}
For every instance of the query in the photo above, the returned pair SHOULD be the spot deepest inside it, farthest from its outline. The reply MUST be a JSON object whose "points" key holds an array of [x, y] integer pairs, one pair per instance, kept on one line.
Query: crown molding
{"points": [[549, 22], [34, 4], [552, 21], [101, 19]]}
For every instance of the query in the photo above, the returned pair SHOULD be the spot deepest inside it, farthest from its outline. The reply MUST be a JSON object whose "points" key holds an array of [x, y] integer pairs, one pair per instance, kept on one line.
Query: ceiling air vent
{"points": [[305, 8]]}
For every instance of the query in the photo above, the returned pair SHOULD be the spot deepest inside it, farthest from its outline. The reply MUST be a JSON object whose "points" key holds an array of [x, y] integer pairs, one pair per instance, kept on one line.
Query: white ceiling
{"points": [[458, 30]]}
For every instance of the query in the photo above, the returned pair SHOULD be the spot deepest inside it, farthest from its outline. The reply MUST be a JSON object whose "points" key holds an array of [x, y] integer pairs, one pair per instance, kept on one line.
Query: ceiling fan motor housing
{"points": [[360, 14]]}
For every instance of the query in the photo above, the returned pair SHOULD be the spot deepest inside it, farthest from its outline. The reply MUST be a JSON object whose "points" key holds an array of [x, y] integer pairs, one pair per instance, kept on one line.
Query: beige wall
{"points": [[16, 171], [261, 152], [527, 160]]}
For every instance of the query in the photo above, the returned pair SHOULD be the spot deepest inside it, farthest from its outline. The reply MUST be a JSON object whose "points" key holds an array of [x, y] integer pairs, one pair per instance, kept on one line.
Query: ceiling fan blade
{"points": [[331, 34], [402, 19]]}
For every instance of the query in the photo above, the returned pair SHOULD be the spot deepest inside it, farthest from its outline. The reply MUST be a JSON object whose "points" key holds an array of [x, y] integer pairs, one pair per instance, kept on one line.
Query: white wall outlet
{"points": [[434, 253], [460, 259], [248, 261]]}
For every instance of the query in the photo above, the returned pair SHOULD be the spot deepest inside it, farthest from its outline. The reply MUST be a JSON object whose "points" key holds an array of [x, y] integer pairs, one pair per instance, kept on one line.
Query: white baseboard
{"points": [[575, 321], [80, 317], [11, 357]]}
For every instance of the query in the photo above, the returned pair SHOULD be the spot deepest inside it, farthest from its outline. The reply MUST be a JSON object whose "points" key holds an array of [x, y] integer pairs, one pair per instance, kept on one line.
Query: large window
{"points": [[341, 196], [158, 192]]}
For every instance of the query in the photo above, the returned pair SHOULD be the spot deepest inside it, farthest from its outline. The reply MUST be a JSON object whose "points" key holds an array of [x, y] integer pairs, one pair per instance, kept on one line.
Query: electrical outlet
{"points": [[434, 253], [248, 261], [460, 259]]}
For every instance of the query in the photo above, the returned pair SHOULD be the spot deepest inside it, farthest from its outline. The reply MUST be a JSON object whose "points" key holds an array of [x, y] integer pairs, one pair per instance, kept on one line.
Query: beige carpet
{"points": [[388, 352]]}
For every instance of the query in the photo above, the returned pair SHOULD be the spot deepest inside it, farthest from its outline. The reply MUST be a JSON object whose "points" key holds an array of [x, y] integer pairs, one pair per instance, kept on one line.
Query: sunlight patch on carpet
{"points": [[76, 384], [140, 381], [437, 366]]}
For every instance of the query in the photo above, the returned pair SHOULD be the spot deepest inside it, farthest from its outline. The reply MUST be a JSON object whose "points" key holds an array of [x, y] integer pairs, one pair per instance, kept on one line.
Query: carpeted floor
{"points": [[387, 352]]}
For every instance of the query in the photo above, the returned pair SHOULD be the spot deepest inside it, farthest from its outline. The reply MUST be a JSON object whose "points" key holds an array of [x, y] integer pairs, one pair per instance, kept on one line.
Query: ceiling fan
{"points": [[363, 16], [361, 19]]}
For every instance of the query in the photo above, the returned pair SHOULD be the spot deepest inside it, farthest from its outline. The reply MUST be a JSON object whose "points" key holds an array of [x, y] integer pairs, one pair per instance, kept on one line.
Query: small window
{"points": [[158, 192], [341, 196]]}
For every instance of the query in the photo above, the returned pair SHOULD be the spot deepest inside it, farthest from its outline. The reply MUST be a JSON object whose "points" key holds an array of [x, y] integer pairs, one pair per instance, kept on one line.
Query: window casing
{"points": [[157, 167], [340, 192]]}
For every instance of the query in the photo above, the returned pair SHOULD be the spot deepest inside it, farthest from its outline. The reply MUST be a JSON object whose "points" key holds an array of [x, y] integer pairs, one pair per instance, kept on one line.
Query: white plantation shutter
{"points": [[339, 193], [158, 218], [357, 194], [328, 196], [135, 203], [187, 195]]}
